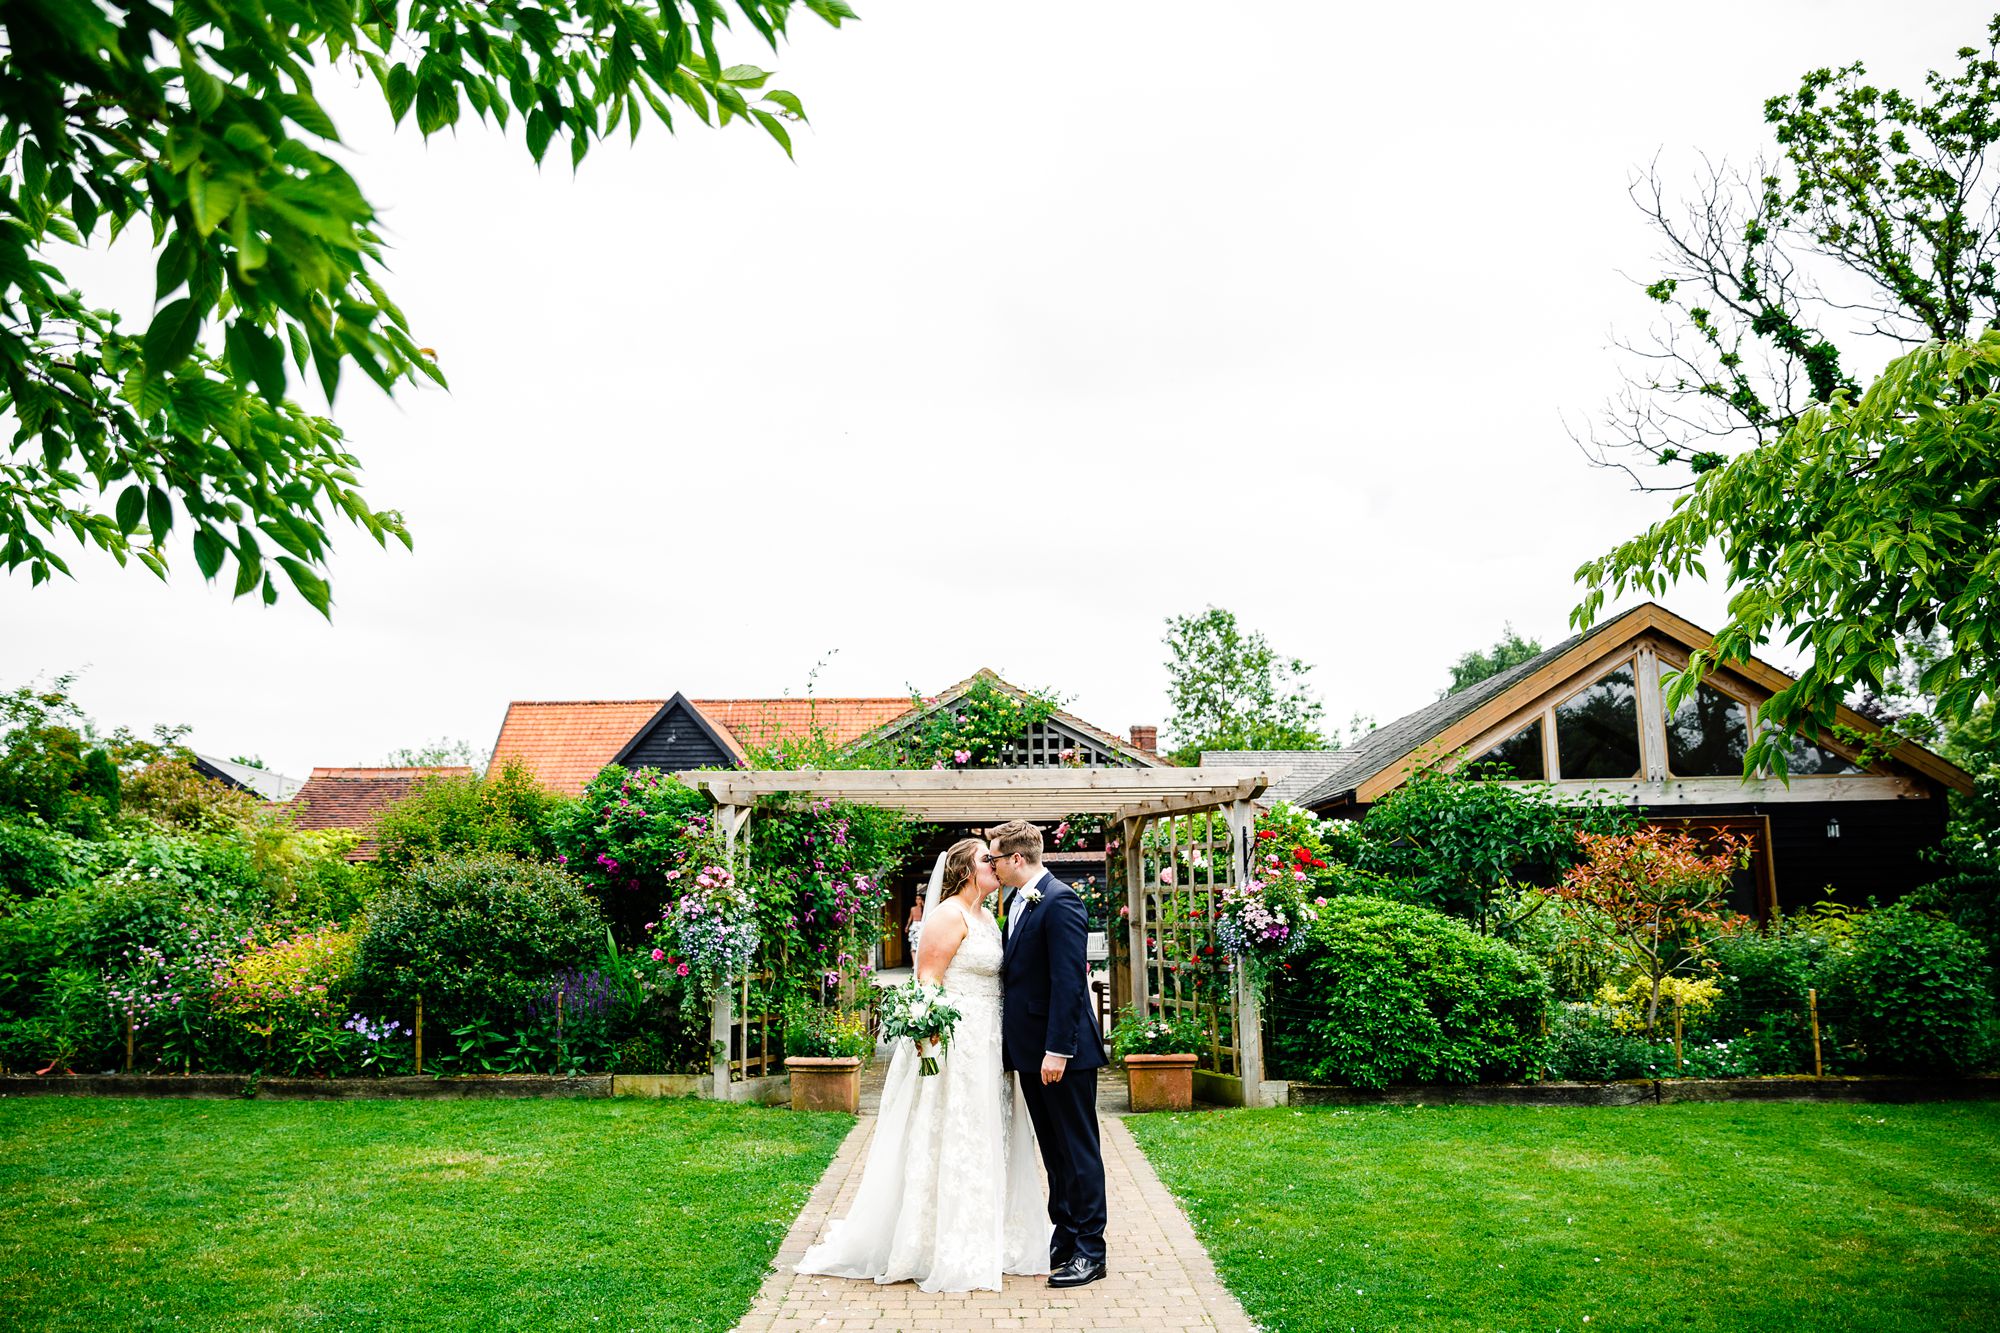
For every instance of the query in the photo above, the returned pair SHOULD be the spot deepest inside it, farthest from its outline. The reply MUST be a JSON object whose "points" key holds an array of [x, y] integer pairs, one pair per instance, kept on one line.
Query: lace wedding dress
{"points": [[950, 1197]]}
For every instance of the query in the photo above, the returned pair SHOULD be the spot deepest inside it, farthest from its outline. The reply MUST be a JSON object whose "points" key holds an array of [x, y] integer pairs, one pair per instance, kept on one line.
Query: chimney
{"points": [[1147, 739]]}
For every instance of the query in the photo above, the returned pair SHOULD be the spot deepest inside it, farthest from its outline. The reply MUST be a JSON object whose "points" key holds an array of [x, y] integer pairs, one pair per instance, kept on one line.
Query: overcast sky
{"points": [[1069, 317]]}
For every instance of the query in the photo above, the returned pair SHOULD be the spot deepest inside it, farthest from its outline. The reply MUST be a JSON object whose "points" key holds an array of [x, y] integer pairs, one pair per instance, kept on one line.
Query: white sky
{"points": [[1070, 316]]}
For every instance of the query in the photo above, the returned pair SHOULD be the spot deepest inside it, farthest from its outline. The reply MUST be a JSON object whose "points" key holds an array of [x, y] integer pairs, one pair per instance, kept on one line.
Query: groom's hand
{"points": [[1053, 1067]]}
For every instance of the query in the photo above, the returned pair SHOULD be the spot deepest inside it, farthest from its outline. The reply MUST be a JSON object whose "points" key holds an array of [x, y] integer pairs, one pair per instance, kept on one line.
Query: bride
{"points": [[949, 1197]]}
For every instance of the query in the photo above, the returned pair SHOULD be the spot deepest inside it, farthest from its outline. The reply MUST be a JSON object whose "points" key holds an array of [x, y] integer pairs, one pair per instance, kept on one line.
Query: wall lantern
{"points": [[1833, 826]]}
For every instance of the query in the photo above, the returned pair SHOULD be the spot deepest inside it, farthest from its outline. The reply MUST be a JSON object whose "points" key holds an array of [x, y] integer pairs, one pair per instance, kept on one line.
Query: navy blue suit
{"points": [[1045, 1007]]}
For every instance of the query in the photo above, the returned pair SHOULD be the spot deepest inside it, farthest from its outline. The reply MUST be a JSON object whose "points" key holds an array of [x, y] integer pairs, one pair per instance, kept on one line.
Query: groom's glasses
{"points": [[989, 859]]}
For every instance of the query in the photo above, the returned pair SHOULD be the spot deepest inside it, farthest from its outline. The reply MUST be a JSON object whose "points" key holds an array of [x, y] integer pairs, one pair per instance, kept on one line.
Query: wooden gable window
{"points": [[1708, 735], [1520, 755], [1816, 761], [1597, 729]]}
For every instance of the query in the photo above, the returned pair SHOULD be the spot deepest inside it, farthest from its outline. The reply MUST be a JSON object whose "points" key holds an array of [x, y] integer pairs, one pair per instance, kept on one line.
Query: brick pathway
{"points": [[1160, 1281]]}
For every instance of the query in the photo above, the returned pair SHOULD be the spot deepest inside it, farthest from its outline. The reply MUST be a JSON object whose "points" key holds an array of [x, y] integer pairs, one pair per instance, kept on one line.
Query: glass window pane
{"points": [[1597, 732], [1707, 736], [1810, 761], [1520, 755]]}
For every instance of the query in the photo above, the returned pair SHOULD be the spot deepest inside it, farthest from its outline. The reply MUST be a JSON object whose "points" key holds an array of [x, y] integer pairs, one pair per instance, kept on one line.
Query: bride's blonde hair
{"points": [[959, 862]]}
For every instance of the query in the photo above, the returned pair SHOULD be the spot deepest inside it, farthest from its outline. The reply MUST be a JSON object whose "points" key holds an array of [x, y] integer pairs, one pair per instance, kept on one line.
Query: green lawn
{"points": [[1726, 1217], [390, 1215]]}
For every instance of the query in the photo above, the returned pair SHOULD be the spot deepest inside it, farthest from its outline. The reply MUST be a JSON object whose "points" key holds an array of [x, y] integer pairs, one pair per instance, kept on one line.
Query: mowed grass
{"points": [[484, 1215], [1693, 1217]]}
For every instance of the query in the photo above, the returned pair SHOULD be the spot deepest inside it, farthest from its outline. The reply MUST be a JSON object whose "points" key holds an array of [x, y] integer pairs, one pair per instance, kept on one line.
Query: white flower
{"points": [[1030, 896], [919, 1009]]}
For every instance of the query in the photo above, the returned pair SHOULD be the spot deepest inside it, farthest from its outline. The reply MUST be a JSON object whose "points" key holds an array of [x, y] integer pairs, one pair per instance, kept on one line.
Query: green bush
{"points": [[1464, 845], [1587, 1044], [1913, 991], [1574, 945], [1389, 992], [455, 815], [35, 860], [478, 937]]}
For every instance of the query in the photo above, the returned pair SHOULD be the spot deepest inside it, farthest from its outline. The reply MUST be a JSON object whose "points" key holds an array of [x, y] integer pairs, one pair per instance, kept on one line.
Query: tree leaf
{"points": [[159, 514], [208, 551], [171, 335], [131, 508]]}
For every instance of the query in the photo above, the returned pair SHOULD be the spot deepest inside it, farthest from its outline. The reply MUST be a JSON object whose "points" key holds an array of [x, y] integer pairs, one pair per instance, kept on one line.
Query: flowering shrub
{"points": [[290, 981], [708, 932], [166, 989], [973, 733], [622, 837]]}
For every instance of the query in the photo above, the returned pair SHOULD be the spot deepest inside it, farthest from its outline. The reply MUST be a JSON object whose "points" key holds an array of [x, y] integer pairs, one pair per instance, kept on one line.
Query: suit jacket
{"points": [[1045, 975]]}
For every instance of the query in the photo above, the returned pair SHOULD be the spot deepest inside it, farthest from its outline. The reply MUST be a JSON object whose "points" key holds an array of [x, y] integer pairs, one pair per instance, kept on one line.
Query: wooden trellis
{"points": [[1177, 867], [1205, 816]]}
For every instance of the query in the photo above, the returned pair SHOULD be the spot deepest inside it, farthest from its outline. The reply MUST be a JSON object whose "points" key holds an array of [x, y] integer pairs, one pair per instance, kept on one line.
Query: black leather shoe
{"points": [[1060, 1259], [1076, 1273]]}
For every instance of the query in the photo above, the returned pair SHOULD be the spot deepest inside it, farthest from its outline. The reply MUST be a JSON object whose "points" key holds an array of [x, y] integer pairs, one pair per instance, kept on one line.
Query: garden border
{"points": [[1656, 1092], [408, 1087]]}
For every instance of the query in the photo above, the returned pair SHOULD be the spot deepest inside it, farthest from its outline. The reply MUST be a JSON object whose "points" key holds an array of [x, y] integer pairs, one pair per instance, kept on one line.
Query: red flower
{"points": [[1266, 834], [1302, 856]]}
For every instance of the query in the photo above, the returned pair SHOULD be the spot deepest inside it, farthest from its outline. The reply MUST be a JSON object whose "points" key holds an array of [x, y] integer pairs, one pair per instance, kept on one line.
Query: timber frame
{"points": [[1653, 637], [1132, 801]]}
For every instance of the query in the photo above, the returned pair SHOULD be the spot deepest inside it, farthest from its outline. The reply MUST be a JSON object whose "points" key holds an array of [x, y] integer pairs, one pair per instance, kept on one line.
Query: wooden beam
{"points": [[1188, 802], [1730, 791], [988, 793]]}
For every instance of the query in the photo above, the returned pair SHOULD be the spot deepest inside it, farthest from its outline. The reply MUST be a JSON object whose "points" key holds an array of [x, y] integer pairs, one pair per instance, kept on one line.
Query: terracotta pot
{"points": [[1160, 1082], [825, 1082]]}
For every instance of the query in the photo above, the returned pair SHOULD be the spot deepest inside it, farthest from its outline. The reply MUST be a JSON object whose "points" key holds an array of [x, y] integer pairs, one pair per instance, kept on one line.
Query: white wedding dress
{"points": [[950, 1195]]}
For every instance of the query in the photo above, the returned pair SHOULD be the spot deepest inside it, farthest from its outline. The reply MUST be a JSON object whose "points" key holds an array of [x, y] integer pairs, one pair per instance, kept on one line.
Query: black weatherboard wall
{"points": [[677, 737], [1879, 853]]}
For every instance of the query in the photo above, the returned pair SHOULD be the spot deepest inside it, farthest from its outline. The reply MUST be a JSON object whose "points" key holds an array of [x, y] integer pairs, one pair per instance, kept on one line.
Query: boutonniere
{"points": [[1029, 897]]}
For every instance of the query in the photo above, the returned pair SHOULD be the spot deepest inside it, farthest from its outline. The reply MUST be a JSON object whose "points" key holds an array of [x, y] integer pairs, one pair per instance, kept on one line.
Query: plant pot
{"points": [[825, 1082], [1160, 1082]]}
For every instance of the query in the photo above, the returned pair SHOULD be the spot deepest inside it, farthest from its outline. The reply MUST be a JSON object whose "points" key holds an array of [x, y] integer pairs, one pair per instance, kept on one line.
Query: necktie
{"points": [[1013, 906]]}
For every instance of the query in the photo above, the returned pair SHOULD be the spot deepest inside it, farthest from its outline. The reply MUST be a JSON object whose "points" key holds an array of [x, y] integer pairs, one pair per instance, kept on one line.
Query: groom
{"points": [[1048, 1036]]}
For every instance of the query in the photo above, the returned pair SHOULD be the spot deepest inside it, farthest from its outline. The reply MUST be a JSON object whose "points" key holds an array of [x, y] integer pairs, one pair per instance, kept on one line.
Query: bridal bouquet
{"points": [[918, 1010]]}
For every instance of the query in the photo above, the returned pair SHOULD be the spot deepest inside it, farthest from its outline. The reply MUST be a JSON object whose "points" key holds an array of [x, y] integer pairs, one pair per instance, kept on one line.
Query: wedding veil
{"points": [[932, 893]]}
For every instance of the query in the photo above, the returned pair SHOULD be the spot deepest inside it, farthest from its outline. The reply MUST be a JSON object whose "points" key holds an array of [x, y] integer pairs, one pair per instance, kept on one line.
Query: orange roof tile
{"points": [[756, 723], [354, 798], [565, 744]]}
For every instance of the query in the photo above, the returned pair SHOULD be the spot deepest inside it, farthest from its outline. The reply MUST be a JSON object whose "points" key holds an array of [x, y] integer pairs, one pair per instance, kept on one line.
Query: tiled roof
{"points": [[756, 723], [565, 744], [354, 798], [1292, 772]]}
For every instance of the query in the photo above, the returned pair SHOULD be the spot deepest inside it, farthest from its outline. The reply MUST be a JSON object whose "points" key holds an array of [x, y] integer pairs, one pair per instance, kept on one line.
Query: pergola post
{"points": [[722, 1018], [1129, 832], [1249, 1015]]}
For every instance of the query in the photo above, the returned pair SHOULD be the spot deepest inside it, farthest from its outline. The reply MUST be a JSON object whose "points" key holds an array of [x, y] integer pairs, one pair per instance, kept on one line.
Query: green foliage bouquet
{"points": [[918, 1009]]}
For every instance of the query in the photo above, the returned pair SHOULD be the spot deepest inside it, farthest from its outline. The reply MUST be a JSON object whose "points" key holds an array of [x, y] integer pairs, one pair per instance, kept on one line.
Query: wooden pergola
{"points": [[1187, 834]]}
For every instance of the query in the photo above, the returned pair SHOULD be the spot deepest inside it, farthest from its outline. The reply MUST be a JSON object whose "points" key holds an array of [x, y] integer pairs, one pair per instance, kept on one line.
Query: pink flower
{"points": [[961, 756], [681, 971], [660, 956]]}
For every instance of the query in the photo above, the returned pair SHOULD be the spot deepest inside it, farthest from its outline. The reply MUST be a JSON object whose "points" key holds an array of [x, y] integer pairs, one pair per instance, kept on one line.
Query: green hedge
{"points": [[1388, 992], [476, 936]]}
